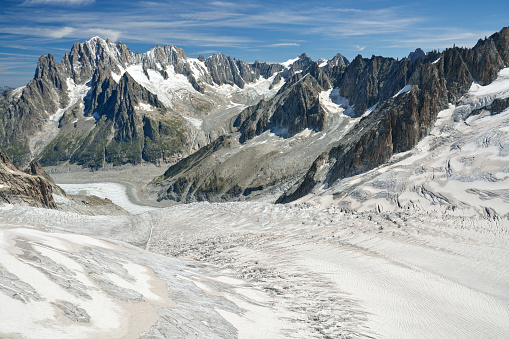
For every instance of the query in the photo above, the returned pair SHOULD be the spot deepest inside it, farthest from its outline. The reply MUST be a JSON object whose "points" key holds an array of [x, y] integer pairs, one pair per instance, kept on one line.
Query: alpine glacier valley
{"points": [[154, 195]]}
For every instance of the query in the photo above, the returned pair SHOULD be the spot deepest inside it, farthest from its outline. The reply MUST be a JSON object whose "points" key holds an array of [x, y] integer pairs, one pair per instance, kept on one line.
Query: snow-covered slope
{"points": [[258, 270], [57, 285]]}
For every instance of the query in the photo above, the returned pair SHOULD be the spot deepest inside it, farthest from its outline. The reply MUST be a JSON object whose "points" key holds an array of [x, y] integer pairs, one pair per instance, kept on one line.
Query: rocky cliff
{"points": [[33, 187], [130, 125], [398, 123], [295, 108]]}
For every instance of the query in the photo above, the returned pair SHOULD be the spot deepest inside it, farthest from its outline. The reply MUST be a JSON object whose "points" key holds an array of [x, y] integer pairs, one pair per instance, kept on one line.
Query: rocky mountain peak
{"points": [[225, 70], [165, 55], [418, 53], [339, 60], [46, 65], [319, 75]]}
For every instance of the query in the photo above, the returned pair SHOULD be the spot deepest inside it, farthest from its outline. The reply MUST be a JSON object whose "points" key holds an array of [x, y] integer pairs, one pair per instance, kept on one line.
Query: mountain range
{"points": [[231, 130], [171, 197]]}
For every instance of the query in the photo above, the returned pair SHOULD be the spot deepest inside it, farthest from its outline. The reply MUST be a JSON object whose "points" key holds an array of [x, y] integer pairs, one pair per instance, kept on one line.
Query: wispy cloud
{"points": [[283, 44], [224, 4], [254, 29], [236, 5], [62, 32], [58, 2], [209, 52], [210, 16], [18, 55], [365, 22], [439, 38]]}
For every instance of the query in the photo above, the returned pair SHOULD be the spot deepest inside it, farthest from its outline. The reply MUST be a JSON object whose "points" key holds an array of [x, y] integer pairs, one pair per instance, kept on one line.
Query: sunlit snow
{"points": [[289, 62]]}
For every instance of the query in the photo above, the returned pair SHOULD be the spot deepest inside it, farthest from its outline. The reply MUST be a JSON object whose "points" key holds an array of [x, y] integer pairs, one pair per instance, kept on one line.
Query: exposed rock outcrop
{"points": [[30, 188], [418, 53], [295, 108], [124, 132]]}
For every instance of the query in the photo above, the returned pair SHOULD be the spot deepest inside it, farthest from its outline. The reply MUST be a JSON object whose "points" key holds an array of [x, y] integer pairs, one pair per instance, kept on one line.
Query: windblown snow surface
{"points": [[417, 248]]}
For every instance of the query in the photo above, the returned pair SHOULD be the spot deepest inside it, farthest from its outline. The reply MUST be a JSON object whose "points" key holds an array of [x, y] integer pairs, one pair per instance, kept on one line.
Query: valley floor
{"points": [[256, 270]]}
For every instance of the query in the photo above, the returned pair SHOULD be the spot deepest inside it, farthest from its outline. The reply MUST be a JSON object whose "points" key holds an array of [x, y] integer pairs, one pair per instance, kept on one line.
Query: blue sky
{"points": [[252, 30]]}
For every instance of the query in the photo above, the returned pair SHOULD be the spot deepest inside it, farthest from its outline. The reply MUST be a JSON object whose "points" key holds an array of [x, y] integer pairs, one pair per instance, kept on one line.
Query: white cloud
{"points": [[225, 4], [360, 48], [62, 32], [208, 52]]}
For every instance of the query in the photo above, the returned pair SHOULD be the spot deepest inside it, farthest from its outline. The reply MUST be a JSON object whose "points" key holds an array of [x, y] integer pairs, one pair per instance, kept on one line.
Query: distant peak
{"points": [[98, 39], [418, 53]]}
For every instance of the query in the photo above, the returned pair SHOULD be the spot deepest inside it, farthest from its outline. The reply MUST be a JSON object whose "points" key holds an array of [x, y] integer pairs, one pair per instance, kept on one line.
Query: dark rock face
{"points": [[25, 115], [400, 122], [301, 64], [418, 53], [225, 70], [267, 70], [366, 82], [295, 108], [122, 133], [17, 187], [190, 182], [35, 169], [22, 116], [339, 61]]}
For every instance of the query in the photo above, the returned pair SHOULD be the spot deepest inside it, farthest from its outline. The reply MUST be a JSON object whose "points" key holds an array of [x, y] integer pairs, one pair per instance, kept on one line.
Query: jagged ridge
{"points": [[97, 65], [399, 123]]}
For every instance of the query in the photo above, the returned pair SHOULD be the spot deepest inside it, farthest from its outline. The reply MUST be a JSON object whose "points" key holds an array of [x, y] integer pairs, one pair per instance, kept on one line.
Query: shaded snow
{"points": [[499, 87], [329, 100], [370, 110], [322, 62]]}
